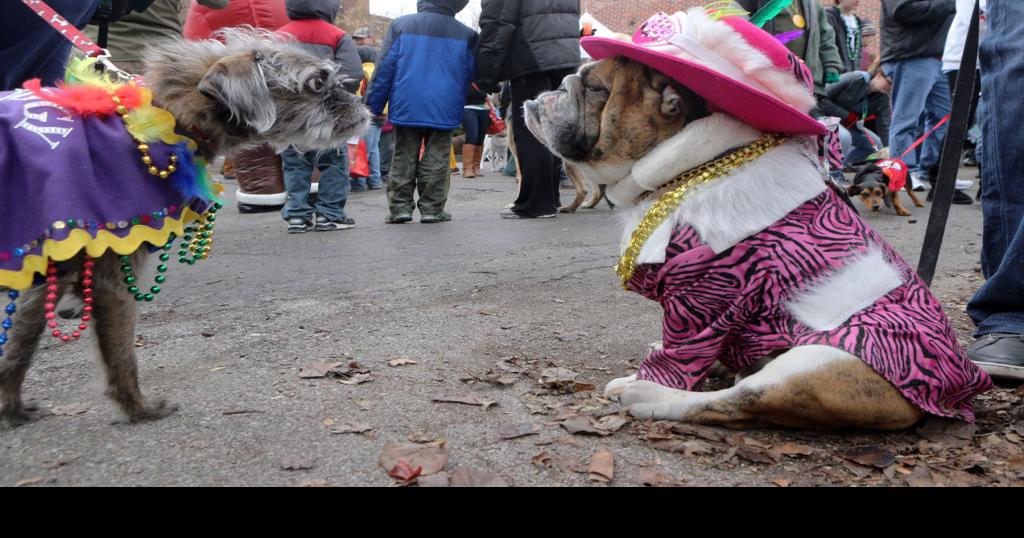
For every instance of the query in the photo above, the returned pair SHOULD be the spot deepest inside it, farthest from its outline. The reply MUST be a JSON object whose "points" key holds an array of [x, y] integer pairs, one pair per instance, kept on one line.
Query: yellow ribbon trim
{"points": [[94, 246], [668, 202]]}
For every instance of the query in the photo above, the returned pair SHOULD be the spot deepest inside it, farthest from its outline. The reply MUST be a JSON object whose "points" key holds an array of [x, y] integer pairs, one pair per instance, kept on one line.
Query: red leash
{"points": [[66, 29], [923, 138]]}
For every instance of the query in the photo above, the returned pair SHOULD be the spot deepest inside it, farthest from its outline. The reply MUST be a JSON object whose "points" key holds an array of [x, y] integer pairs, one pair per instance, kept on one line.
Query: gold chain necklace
{"points": [[678, 189]]}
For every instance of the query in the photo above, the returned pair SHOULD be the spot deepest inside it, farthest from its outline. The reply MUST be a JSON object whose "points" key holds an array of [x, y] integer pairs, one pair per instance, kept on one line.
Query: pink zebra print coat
{"points": [[738, 307]]}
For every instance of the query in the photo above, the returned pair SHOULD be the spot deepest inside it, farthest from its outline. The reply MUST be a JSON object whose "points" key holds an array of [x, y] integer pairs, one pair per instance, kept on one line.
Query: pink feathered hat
{"points": [[734, 65]]}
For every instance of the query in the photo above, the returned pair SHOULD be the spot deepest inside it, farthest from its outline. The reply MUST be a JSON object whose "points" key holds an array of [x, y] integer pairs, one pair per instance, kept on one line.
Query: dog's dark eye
{"points": [[318, 83], [592, 88]]}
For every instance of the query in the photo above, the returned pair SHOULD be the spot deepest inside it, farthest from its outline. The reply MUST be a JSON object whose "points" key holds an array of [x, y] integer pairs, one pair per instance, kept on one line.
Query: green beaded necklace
{"points": [[197, 240]]}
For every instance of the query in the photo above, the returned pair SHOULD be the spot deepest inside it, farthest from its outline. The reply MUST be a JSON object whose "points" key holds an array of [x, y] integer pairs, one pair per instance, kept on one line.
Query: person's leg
{"points": [[912, 82], [297, 178], [470, 125], [402, 186], [387, 153], [433, 177], [372, 138], [539, 188], [937, 106], [998, 306], [333, 191], [880, 106], [862, 144], [483, 118], [846, 140]]}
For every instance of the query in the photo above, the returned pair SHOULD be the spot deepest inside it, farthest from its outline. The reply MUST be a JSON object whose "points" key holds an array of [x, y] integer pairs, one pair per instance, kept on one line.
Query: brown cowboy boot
{"points": [[469, 161], [479, 157]]}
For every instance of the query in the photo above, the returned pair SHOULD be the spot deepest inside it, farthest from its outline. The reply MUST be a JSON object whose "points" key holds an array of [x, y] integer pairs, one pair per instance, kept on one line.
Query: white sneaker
{"points": [[918, 183], [964, 184]]}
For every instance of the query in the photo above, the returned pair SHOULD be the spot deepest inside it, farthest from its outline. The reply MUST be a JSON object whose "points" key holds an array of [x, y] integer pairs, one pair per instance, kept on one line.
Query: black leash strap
{"points": [[945, 183], [104, 12]]}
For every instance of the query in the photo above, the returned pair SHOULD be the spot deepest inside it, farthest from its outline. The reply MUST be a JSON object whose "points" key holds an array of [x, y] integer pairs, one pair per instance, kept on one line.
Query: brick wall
{"points": [[356, 14], [626, 16]]}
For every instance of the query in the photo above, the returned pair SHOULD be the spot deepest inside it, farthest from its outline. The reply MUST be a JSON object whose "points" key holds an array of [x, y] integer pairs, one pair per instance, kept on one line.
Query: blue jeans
{"points": [[298, 176], [372, 139], [858, 143], [998, 307], [476, 123], [918, 88]]}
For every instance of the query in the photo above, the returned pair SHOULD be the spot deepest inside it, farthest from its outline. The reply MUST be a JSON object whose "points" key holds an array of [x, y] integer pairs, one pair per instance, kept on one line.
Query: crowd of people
{"points": [[432, 75]]}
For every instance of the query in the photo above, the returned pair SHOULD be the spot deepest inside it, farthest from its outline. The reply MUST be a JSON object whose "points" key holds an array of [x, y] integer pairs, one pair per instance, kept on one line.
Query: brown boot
{"points": [[479, 158], [468, 161]]}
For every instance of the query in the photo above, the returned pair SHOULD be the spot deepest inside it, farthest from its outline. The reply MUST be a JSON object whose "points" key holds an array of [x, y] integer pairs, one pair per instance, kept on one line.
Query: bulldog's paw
{"points": [[647, 400], [614, 387]]}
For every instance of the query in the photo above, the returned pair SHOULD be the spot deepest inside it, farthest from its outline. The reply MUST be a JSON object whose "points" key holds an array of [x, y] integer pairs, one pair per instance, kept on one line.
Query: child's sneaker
{"points": [[443, 216], [324, 224], [299, 225]]}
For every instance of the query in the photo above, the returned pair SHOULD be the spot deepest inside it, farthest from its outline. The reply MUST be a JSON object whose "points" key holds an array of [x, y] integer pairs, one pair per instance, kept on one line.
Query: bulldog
{"points": [[764, 269]]}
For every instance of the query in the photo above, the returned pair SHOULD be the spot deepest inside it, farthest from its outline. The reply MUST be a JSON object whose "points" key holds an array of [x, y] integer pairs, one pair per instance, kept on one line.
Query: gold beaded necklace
{"points": [[147, 159], [673, 194]]}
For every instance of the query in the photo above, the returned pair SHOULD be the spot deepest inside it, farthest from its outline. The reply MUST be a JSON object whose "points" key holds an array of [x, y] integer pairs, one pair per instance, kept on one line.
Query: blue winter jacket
{"points": [[426, 65]]}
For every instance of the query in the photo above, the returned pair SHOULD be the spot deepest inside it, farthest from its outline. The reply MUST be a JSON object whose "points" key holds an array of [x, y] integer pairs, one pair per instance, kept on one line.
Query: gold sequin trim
{"points": [[678, 189]]}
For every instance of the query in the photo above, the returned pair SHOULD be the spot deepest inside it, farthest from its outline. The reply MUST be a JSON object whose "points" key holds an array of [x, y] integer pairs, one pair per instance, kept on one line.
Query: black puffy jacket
{"points": [[519, 38], [915, 28]]}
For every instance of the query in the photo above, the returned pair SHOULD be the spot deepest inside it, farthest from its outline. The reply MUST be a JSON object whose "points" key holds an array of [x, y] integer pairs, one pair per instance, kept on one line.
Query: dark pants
{"points": [[30, 48], [475, 123], [429, 174], [998, 307], [538, 193], [387, 152]]}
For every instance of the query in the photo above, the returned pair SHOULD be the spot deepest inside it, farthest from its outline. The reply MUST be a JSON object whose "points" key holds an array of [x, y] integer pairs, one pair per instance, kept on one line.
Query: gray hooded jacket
{"points": [[319, 40]]}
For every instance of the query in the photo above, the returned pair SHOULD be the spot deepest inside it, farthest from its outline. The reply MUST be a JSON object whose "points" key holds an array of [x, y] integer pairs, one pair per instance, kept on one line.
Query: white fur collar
{"points": [[729, 209], [698, 143]]}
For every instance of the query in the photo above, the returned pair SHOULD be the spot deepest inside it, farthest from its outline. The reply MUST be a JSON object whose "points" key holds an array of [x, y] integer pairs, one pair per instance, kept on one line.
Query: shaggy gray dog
{"points": [[250, 89]]}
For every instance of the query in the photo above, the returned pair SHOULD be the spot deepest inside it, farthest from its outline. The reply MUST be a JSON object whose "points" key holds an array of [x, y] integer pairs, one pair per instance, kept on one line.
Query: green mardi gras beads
{"points": [[131, 279]]}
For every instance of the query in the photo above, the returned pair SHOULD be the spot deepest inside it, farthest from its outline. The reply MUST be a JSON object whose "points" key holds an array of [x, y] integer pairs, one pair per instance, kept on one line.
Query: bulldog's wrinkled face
{"points": [[610, 114]]}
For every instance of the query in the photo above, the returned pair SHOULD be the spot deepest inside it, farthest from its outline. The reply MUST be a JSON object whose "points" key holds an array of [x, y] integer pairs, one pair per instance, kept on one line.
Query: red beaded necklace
{"points": [[51, 300]]}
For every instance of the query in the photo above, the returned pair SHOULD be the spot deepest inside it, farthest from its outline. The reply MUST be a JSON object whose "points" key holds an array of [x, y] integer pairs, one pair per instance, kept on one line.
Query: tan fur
{"points": [[631, 120], [579, 183], [840, 396]]}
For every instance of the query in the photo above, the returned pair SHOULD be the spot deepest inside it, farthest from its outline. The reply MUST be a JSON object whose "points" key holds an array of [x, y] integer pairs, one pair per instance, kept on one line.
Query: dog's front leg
{"points": [[115, 312], [913, 196], [579, 185], [897, 204], [24, 338]]}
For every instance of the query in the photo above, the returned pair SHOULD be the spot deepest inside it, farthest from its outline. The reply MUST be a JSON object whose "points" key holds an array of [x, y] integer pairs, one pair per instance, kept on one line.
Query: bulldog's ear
{"points": [[237, 83], [672, 103]]}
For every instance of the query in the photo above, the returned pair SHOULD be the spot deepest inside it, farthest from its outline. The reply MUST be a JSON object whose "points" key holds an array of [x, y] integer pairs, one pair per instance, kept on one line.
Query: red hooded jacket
{"points": [[203, 21]]}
